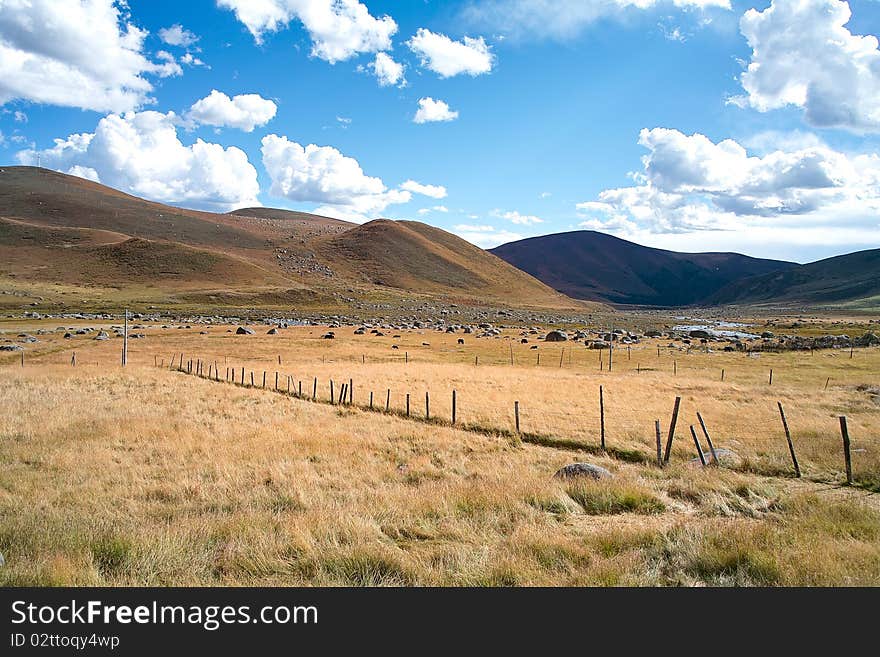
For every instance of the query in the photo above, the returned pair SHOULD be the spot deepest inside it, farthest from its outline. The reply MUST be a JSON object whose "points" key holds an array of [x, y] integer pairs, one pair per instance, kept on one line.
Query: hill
{"points": [[850, 279], [57, 229], [595, 266], [414, 256]]}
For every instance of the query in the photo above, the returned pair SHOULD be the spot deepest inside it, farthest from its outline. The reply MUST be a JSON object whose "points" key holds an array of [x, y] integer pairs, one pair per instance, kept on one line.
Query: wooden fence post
{"points": [[371, 400], [407, 404], [427, 406], [276, 380], [332, 398], [771, 377], [351, 391], [315, 389], [453, 406], [697, 443], [602, 416], [708, 439], [797, 469], [844, 432], [672, 429], [516, 414], [388, 400], [659, 443]]}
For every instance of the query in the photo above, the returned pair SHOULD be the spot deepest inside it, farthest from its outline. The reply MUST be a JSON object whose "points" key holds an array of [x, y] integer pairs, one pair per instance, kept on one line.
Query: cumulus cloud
{"points": [[177, 35], [321, 174], [484, 235], [690, 183], [436, 208], [448, 58], [140, 153], [245, 111], [82, 53], [803, 55], [434, 191], [431, 111], [387, 71], [564, 20], [516, 218], [339, 29]]}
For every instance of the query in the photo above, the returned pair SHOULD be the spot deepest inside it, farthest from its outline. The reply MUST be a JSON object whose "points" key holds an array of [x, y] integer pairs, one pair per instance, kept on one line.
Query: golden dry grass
{"points": [[148, 476]]}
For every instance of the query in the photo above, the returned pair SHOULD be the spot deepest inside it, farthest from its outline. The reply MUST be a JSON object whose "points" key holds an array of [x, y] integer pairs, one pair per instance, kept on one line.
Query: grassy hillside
{"points": [[591, 265], [57, 229], [848, 279], [414, 256]]}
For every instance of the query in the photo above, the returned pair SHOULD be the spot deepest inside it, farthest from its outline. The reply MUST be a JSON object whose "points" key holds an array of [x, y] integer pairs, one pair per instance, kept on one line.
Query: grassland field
{"points": [[144, 475]]}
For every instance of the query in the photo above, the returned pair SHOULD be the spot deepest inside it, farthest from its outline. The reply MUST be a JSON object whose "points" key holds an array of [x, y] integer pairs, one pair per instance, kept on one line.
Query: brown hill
{"points": [[586, 264], [60, 229], [409, 255]]}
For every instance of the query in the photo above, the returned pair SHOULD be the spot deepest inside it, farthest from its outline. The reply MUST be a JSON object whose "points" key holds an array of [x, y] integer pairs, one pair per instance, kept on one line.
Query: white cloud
{"points": [[692, 184], [321, 174], [140, 153], [434, 191], [190, 60], [245, 111], [517, 218], [169, 66], [436, 208], [339, 29], [20, 117], [387, 71], [485, 236], [803, 55], [565, 20], [431, 110], [81, 53], [177, 35], [448, 58]]}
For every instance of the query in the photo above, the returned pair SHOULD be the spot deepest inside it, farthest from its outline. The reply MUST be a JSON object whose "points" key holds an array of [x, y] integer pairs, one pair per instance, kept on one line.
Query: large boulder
{"points": [[272, 331], [102, 335], [699, 333], [727, 458], [556, 336], [583, 470], [244, 330]]}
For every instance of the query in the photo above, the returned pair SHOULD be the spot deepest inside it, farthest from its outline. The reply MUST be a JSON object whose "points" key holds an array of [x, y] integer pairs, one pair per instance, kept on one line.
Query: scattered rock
{"points": [[244, 330], [556, 336], [727, 458], [272, 331], [583, 470], [102, 335]]}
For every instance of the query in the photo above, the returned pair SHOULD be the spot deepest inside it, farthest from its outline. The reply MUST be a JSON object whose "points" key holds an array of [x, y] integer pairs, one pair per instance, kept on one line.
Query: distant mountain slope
{"points": [[846, 278], [595, 266], [60, 229]]}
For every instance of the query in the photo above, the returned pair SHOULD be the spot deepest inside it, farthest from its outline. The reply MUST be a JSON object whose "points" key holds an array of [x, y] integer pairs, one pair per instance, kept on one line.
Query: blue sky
{"points": [[686, 124]]}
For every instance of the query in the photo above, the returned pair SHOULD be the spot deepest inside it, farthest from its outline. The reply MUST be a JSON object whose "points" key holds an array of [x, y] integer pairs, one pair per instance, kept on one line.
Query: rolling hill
{"points": [[598, 267], [57, 229], [845, 279]]}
